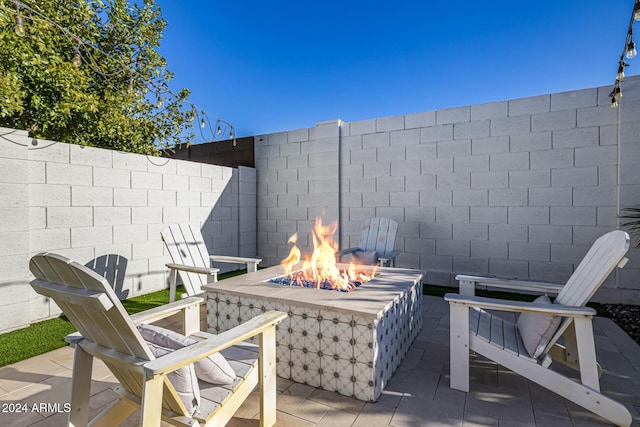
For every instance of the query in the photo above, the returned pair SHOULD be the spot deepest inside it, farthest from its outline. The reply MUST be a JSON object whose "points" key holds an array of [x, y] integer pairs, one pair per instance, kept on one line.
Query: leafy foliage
{"points": [[111, 99], [632, 226]]}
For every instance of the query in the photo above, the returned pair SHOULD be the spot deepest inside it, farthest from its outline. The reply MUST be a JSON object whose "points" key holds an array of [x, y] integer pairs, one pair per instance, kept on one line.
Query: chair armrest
{"points": [[519, 306], [347, 251], [388, 256], [192, 269], [204, 348], [517, 285], [234, 259], [165, 310]]}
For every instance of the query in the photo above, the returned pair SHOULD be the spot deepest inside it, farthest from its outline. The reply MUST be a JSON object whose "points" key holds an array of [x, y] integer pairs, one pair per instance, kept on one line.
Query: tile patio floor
{"points": [[417, 395]]}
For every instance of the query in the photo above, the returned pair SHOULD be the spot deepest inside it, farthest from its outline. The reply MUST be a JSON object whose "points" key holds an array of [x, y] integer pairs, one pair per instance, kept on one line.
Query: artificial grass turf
{"points": [[48, 335], [42, 337]]}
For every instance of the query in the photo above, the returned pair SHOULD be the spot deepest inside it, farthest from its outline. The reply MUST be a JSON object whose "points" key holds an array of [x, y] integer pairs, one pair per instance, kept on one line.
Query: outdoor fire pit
{"points": [[348, 342]]}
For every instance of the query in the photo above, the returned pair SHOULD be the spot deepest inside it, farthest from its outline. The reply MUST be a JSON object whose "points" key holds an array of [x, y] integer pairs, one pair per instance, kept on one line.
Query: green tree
{"points": [[116, 96]]}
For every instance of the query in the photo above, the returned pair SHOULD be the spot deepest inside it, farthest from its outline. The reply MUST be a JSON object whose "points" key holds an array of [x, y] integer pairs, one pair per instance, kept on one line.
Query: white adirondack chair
{"points": [[379, 235], [192, 261], [108, 333], [473, 328]]}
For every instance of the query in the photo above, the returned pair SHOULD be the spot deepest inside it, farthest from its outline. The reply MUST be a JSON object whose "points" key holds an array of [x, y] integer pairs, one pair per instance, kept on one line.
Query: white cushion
{"points": [[537, 329], [365, 257], [213, 369], [184, 380]]}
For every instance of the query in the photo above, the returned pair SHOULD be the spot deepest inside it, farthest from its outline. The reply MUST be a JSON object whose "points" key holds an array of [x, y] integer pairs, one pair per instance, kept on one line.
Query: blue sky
{"points": [[270, 66]]}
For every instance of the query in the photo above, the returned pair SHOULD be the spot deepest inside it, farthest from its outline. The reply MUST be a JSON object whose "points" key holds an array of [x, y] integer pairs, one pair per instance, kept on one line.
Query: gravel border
{"points": [[627, 317]]}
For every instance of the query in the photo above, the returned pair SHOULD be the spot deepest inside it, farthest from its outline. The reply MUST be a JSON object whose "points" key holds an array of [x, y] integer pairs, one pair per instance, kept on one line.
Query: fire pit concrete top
{"points": [[371, 298]]}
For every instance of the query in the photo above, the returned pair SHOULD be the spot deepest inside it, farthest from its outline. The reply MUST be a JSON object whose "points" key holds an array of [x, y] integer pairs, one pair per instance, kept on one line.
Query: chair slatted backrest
{"points": [[378, 234], [605, 254], [186, 246], [93, 308]]}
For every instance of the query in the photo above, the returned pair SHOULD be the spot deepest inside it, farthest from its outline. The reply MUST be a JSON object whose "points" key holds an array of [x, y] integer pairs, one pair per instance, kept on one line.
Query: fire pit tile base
{"points": [[352, 354]]}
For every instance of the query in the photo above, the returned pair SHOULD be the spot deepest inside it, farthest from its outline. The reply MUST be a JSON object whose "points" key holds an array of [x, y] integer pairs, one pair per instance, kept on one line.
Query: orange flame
{"points": [[321, 268]]}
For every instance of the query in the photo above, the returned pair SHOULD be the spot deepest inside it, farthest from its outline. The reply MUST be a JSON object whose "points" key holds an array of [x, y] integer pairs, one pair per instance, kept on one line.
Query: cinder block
{"points": [[489, 110], [146, 180], [361, 214], [597, 116], [91, 236], [508, 197], [290, 175], [488, 249], [551, 159], [530, 251], [326, 130], [574, 99], [161, 165], [14, 219], [531, 142], [586, 235], [436, 230], [132, 233], [420, 182], [372, 200], [351, 142], [569, 254], [107, 177], [550, 196], [405, 168], [264, 151], [14, 242], [566, 215], [452, 247], [608, 135], [508, 233], [36, 172], [452, 214], [437, 198], [489, 180], [554, 272], [375, 140], [386, 124], [381, 169], [436, 133], [453, 181], [529, 178], [509, 269], [67, 217], [130, 161], [129, 197], [462, 232], [454, 148], [607, 216], [146, 215], [181, 214], [528, 215], [496, 144], [575, 177], [475, 163], [290, 149], [436, 263], [510, 125], [417, 215], [595, 196], [61, 173], [297, 135], [329, 185], [453, 115], [596, 156], [13, 171], [321, 159], [551, 234], [488, 215], [294, 187], [405, 199], [389, 184], [475, 129], [175, 182], [580, 137], [509, 161], [392, 154], [43, 150], [297, 161], [91, 156], [554, 120], [362, 127], [470, 197], [14, 195], [277, 163], [422, 151], [531, 105], [38, 195], [94, 196], [200, 184], [420, 120], [401, 138], [363, 156], [436, 166], [188, 198], [277, 138]]}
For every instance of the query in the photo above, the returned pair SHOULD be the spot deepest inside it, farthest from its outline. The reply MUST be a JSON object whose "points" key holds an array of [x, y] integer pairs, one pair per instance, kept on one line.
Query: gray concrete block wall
{"points": [[106, 209], [517, 188]]}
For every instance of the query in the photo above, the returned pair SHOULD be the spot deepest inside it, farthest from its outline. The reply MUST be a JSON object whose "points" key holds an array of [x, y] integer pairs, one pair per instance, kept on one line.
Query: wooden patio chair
{"points": [[192, 261], [108, 333], [529, 346], [377, 240]]}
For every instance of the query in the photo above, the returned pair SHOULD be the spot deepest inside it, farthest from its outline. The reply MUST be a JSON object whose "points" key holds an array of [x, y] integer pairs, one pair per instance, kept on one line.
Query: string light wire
{"points": [[628, 52]]}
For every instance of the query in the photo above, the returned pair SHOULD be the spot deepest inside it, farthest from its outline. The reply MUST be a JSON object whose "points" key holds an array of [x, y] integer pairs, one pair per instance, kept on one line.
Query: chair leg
{"points": [[252, 267], [151, 408], [267, 373], [173, 278], [459, 347], [81, 387], [587, 353]]}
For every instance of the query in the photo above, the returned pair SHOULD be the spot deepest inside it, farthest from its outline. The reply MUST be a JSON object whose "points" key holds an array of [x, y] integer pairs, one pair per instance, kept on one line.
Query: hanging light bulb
{"points": [[19, 27], [636, 11], [631, 50], [130, 83], [617, 93], [219, 130], [202, 124], [77, 57], [620, 74], [159, 103], [614, 102], [231, 134]]}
